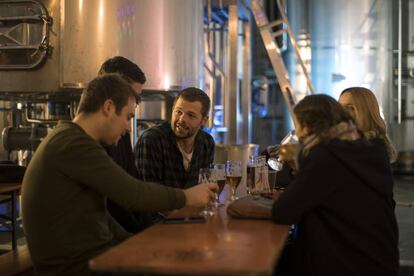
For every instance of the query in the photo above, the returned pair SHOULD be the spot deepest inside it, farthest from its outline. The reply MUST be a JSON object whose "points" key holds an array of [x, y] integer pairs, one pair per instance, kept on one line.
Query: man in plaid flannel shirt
{"points": [[172, 153]]}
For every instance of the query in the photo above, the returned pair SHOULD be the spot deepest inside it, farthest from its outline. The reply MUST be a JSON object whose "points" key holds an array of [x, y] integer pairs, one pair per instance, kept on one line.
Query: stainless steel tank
{"points": [[403, 85], [367, 43], [165, 38], [350, 43]]}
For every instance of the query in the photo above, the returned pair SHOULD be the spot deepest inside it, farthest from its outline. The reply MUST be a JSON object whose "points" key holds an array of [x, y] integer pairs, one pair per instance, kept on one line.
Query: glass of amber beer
{"points": [[233, 176], [219, 172]]}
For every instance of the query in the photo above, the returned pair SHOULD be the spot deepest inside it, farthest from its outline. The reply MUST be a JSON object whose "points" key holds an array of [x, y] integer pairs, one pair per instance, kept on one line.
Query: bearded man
{"points": [[173, 153]]}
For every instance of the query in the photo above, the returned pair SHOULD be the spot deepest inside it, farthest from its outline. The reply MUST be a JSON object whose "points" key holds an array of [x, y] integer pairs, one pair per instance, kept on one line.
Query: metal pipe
{"points": [[399, 60], [212, 94], [246, 85], [212, 66], [222, 58], [231, 107], [272, 24], [216, 65], [36, 121], [209, 11], [207, 63], [72, 109], [295, 46]]}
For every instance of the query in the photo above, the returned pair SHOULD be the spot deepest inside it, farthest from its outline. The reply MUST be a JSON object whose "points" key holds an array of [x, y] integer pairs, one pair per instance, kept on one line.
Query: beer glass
{"points": [[287, 151], [233, 176], [219, 172], [206, 176], [255, 166]]}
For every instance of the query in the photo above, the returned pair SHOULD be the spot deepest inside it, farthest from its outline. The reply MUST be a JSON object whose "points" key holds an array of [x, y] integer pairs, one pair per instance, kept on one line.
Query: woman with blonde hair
{"points": [[363, 107], [341, 197]]}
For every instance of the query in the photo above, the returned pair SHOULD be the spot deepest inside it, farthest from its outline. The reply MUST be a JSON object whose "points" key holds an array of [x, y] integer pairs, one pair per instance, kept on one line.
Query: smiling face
{"points": [[117, 124], [187, 118]]}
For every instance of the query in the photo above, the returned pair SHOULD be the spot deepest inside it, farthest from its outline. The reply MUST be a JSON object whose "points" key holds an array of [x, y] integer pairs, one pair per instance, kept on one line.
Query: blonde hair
{"points": [[368, 117]]}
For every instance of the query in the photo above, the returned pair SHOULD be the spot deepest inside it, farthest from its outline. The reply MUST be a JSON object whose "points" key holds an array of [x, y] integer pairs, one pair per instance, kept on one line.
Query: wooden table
{"points": [[219, 246], [11, 189]]}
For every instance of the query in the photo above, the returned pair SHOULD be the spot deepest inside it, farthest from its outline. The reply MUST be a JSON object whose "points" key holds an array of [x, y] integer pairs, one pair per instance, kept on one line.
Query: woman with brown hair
{"points": [[341, 197], [363, 107]]}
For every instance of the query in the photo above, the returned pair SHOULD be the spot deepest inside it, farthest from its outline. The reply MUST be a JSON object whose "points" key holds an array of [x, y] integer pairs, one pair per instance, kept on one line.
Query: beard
{"points": [[182, 131]]}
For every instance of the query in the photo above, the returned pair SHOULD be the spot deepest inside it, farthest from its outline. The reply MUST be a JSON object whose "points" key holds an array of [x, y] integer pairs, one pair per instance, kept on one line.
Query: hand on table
{"points": [[201, 194]]}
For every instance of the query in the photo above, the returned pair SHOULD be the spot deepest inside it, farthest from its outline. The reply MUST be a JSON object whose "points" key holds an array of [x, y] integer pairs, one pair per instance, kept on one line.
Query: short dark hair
{"points": [[193, 94], [102, 88], [126, 68], [319, 113]]}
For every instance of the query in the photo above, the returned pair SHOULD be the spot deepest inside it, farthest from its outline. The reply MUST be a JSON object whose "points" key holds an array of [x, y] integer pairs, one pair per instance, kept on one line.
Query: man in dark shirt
{"points": [[122, 153], [67, 182], [173, 153]]}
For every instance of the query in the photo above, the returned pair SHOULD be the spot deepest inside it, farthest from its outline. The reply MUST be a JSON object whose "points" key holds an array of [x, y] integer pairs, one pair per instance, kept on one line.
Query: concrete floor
{"points": [[404, 196]]}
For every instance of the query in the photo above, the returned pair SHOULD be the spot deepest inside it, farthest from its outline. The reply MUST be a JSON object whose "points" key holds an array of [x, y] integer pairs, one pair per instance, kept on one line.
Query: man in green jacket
{"points": [[70, 176]]}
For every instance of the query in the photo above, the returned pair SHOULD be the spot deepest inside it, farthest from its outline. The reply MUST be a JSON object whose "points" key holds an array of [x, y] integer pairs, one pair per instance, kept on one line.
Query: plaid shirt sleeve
{"points": [[148, 157], [211, 151], [203, 156]]}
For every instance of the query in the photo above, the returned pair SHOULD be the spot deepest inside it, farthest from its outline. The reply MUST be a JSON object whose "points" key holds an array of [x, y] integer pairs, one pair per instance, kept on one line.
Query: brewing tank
{"points": [[349, 43], [403, 85], [165, 38], [367, 43]]}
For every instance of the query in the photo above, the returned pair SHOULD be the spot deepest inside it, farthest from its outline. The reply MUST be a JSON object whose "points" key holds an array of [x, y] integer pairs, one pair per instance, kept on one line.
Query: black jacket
{"points": [[122, 154], [343, 203]]}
